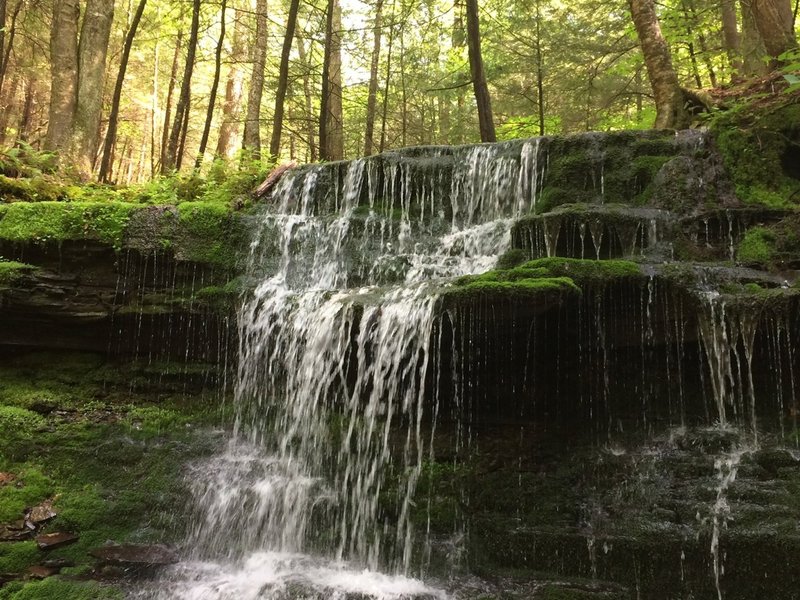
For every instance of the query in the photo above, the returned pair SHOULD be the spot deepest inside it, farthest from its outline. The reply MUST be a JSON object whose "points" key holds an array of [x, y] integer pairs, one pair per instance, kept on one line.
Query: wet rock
{"points": [[42, 572], [774, 459], [41, 514], [135, 555], [51, 541], [9, 534], [57, 563]]}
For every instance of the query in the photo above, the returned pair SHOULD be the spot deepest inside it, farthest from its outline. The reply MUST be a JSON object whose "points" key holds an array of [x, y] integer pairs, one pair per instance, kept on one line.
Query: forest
{"points": [[126, 90]]}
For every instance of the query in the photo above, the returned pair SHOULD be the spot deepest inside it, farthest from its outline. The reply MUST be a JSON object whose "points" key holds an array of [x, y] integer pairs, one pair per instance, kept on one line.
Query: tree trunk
{"points": [[212, 99], [252, 123], [92, 51], [670, 110], [64, 71], [372, 97], [774, 21], [730, 34], [539, 69], [283, 80], [2, 40], [7, 108], [170, 161], [479, 84], [233, 94], [170, 93], [113, 118], [11, 31], [309, 98], [753, 49], [387, 83], [331, 134], [27, 111]]}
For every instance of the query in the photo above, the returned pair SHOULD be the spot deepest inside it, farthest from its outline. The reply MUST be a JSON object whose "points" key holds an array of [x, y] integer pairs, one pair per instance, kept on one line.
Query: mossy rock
{"points": [[41, 222], [56, 587], [12, 271]]}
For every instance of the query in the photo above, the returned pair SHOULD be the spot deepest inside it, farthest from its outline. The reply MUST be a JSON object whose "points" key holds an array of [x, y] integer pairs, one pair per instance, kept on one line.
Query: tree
{"points": [[212, 100], [233, 93], [64, 74], [283, 79], [252, 123], [92, 50], [775, 23], [331, 134], [113, 119], [372, 98], [730, 33], [170, 160], [753, 49], [671, 112], [479, 84]]}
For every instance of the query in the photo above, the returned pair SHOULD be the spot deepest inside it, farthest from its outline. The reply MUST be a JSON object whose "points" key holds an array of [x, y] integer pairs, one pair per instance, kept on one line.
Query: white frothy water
{"points": [[314, 495]]}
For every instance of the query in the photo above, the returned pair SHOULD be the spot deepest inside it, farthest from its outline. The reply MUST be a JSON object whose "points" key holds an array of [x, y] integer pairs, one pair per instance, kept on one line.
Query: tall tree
{"points": [[309, 97], [252, 122], [233, 92], [372, 96], [92, 50], [212, 99], [2, 37], [671, 112], [753, 49], [331, 131], [479, 85], [730, 34], [775, 22], [113, 118], [170, 159], [173, 77], [64, 74], [283, 79]]}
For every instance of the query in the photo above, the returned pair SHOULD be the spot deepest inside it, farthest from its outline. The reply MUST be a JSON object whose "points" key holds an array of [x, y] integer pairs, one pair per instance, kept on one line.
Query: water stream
{"points": [[334, 358]]}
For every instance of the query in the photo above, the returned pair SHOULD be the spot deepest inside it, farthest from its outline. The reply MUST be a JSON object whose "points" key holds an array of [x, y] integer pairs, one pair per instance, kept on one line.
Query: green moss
{"points": [[15, 557], [18, 422], [208, 233], [755, 148], [31, 488], [59, 221], [511, 258], [11, 271], [586, 270], [757, 247], [53, 587], [36, 189]]}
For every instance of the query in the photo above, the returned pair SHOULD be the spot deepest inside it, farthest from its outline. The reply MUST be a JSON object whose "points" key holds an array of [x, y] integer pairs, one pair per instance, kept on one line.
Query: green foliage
{"points": [[24, 161], [757, 247], [18, 422], [52, 588], [59, 221], [36, 189], [11, 271], [31, 487]]}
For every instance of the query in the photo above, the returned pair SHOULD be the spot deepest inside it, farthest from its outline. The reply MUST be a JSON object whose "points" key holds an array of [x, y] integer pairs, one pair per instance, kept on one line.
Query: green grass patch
{"points": [[11, 271], [757, 246]]}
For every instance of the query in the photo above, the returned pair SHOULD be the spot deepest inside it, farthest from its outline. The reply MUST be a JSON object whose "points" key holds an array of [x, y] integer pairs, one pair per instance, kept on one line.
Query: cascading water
{"points": [[336, 349]]}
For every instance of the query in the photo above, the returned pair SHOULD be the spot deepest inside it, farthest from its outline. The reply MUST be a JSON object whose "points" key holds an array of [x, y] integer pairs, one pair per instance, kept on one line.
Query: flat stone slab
{"points": [[38, 515], [136, 555], [41, 572], [51, 541]]}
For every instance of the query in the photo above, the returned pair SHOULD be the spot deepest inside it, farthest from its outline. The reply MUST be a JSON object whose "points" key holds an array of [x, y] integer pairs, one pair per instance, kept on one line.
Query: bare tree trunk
{"points": [[403, 89], [233, 93], [7, 108], [2, 41], [283, 80], [111, 134], [385, 108], [170, 161], [774, 21], [27, 111], [485, 119], [372, 98], [170, 93], [154, 103], [212, 99], [309, 98], [730, 34], [753, 49], [11, 31], [331, 134], [539, 68], [702, 42], [92, 51], [184, 133], [64, 71], [670, 110], [252, 123]]}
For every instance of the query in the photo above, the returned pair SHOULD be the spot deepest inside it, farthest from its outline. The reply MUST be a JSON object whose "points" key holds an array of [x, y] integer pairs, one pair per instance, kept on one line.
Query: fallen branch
{"points": [[274, 177]]}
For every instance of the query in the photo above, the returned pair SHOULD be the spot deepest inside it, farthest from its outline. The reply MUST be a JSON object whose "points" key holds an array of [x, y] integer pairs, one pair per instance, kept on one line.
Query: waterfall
{"points": [[337, 349]]}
